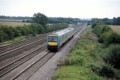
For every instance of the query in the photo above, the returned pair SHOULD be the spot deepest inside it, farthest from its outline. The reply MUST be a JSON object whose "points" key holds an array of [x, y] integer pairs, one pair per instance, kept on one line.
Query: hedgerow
{"points": [[105, 71], [105, 34], [8, 33], [113, 56]]}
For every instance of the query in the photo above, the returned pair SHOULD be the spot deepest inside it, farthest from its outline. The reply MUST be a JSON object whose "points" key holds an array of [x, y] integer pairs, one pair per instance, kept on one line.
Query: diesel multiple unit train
{"points": [[57, 39]]}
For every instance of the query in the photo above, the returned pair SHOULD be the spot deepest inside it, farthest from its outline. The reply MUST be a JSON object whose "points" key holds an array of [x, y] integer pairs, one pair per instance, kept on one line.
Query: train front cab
{"points": [[53, 43]]}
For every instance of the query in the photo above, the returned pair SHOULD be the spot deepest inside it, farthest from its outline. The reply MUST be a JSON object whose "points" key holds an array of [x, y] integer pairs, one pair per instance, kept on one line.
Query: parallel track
{"points": [[24, 42], [21, 49], [28, 68], [30, 71], [12, 63]]}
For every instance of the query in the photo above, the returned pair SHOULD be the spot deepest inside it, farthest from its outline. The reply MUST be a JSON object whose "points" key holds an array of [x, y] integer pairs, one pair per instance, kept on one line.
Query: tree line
{"points": [[114, 21], [50, 19], [63, 20]]}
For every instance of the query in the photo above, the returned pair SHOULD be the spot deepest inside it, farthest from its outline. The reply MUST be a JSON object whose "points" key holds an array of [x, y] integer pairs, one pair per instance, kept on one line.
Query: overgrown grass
{"points": [[83, 59], [15, 40]]}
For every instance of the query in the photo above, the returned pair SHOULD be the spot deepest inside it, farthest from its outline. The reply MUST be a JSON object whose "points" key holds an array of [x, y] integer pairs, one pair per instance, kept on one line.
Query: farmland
{"points": [[13, 24], [115, 28]]}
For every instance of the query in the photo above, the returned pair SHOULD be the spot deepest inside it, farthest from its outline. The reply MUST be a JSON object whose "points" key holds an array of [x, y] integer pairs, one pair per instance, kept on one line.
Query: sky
{"points": [[61, 8]]}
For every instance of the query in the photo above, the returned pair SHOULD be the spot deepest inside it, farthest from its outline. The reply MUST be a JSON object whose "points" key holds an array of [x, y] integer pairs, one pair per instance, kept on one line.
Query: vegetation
{"points": [[114, 21], [113, 56], [64, 20], [15, 40], [50, 19], [105, 71], [38, 26], [15, 19], [89, 59], [8, 33], [85, 56], [40, 19], [105, 34], [110, 38]]}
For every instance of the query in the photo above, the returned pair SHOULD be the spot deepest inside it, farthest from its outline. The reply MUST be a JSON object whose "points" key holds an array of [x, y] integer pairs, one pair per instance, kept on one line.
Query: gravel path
{"points": [[47, 70]]}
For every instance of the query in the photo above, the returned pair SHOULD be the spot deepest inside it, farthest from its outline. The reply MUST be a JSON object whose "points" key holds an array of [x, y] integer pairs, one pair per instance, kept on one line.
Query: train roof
{"points": [[61, 32]]}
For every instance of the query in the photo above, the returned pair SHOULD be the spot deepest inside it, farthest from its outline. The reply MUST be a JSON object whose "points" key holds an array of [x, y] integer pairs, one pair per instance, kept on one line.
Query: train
{"points": [[57, 39]]}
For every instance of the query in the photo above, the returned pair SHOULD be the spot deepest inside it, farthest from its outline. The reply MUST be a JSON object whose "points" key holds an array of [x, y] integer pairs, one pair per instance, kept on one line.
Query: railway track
{"points": [[27, 69], [10, 64], [21, 52], [24, 42], [18, 50], [23, 66]]}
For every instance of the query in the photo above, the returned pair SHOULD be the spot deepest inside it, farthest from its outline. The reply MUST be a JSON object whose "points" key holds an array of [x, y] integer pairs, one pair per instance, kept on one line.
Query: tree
{"points": [[40, 19]]}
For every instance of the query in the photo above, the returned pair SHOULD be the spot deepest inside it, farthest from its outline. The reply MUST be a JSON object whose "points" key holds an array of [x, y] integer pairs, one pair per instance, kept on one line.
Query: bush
{"points": [[2, 36], [7, 33], [109, 38], [105, 71], [106, 35], [94, 24], [115, 38], [100, 29], [113, 56]]}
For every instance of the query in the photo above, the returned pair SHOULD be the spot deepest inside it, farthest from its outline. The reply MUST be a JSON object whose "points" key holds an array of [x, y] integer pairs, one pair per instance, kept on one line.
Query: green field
{"points": [[13, 24]]}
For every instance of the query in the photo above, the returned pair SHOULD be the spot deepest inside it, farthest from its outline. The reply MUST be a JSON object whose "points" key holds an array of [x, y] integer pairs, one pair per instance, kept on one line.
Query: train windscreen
{"points": [[52, 38]]}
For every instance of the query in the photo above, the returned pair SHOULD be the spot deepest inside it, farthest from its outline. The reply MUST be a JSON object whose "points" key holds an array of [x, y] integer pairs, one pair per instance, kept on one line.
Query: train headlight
{"points": [[52, 43]]}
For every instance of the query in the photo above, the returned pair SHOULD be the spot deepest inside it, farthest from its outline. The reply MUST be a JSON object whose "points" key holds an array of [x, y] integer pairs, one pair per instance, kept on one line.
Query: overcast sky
{"points": [[61, 8]]}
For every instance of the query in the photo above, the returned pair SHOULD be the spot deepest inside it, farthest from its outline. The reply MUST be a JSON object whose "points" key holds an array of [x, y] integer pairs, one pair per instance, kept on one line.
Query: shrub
{"points": [[7, 33], [100, 29], [105, 71], [2, 36], [113, 56], [109, 38], [106, 35], [115, 38], [94, 24]]}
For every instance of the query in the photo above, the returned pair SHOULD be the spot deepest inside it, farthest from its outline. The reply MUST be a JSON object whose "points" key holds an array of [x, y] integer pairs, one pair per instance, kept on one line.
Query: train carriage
{"points": [[57, 39]]}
